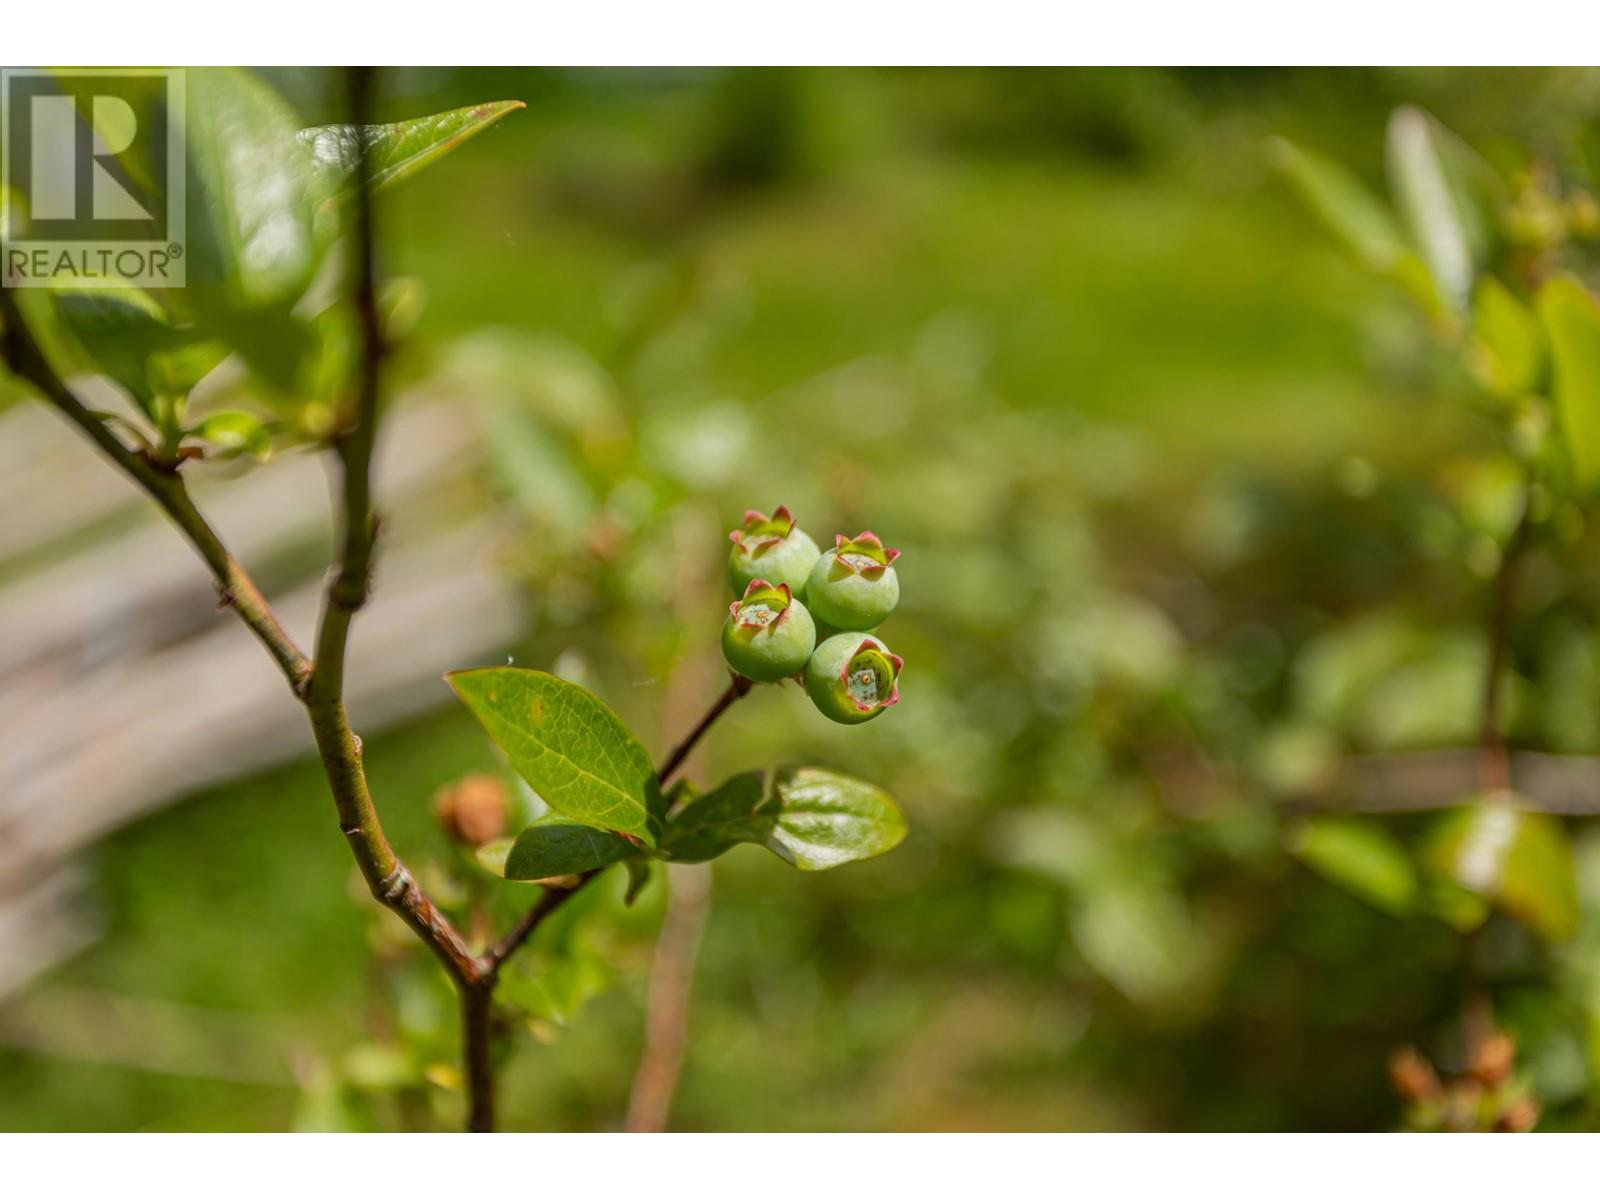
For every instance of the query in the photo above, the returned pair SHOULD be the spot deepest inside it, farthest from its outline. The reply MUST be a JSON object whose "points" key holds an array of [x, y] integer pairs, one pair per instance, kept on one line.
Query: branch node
{"points": [[394, 885]]}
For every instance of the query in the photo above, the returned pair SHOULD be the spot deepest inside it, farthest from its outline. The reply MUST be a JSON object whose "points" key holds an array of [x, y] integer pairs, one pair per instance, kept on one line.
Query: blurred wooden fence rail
{"points": [[122, 685]]}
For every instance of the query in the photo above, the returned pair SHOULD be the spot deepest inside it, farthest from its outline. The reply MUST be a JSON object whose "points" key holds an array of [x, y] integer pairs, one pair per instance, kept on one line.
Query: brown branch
{"points": [[737, 687], [477, 1052], [667, 1013], [552, 899]]}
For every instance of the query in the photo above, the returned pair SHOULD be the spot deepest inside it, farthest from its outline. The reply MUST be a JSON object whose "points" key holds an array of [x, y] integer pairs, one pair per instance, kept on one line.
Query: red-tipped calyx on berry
{"points": [[852, 677], [771, 548], [854, 585], [769, 635]]}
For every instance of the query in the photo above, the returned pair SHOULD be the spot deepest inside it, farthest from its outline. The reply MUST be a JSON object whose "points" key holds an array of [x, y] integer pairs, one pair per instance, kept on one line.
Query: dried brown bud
{"points": [[1413, 1076], [1493, 1059], [472, 810]]}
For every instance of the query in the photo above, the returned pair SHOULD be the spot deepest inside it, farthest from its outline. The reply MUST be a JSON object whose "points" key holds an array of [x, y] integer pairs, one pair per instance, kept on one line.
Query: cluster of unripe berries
{"points": [[808, 613]]}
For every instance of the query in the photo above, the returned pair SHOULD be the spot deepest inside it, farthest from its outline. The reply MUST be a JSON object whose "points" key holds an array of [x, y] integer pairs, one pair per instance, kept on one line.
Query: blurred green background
{"points": [[1186, 502]]}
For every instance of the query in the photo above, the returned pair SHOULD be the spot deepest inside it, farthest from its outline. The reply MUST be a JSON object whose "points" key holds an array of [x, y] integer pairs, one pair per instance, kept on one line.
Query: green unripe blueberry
{"points": [[852, 677], [853, 586], [768, 635], [773, 548]]}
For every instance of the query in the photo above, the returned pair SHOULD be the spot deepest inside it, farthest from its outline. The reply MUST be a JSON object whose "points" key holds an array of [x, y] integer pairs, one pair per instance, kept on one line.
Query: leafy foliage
{"points": [[396, 151], [1522, 860], [573, 750], [811, 818], [261, 195], [1362, 856], [582, 761], [556, 846]]}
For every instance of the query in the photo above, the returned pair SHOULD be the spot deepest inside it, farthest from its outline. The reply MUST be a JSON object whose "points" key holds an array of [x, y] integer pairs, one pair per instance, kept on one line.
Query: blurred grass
{"points": [[1122, 257]]}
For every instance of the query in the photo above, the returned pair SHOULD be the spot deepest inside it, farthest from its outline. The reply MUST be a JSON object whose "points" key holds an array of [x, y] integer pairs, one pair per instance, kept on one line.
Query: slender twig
{"points": [[739, 686], [319, 686], [552, 899], [25, 358], [667, 1011], [356, 433]]}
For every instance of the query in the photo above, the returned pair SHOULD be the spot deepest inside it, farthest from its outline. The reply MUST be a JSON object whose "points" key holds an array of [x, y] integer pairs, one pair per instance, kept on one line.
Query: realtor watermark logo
{"points": [[92, 167]]}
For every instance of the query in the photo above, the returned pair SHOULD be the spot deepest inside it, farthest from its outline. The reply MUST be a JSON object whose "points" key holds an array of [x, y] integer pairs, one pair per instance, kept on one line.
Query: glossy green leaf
{"points": [[826, 819], [573, 750], [811, 818], [739, 812], [1571, 318], [1442, 216], [1520, 860], [556, 846], [250, 197], [1361, 856], [1349, 209], [1509, 338], [397, 151]]}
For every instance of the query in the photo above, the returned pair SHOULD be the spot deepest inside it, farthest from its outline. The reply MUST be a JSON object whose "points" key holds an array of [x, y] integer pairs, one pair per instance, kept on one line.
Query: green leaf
{"points": [[573, 750], [398, 151], [1346, 206], [556, 846], [811, 818], [1509, 338], [1362, 857], [118, 330], [1571, 320], [250, 198], [739, 812], [1443, 216], [638, 878], [1520, 860], [235, 433], [123, 334], [826, 819]]}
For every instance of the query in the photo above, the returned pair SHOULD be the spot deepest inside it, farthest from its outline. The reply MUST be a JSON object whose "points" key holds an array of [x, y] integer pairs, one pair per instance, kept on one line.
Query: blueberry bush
{"points": [[283, 274]]}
